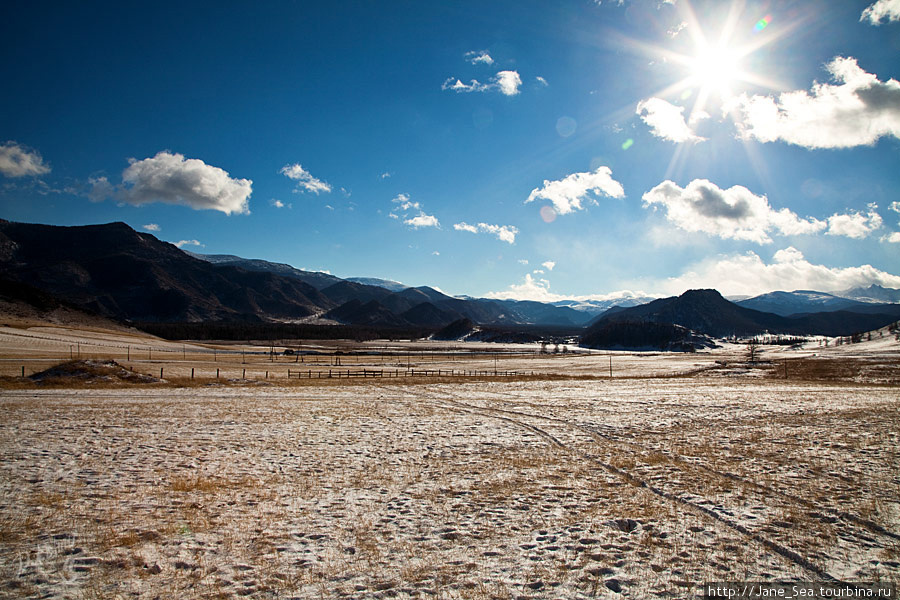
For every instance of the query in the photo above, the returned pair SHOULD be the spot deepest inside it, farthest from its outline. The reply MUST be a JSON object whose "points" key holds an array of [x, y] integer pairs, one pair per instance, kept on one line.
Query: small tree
{"points": [[752, 350]]}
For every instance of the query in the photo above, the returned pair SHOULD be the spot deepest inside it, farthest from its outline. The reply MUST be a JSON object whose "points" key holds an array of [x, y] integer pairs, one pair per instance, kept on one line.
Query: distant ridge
{"points": [[394, 286], [316, 279], [707, 312], [114, 271]]}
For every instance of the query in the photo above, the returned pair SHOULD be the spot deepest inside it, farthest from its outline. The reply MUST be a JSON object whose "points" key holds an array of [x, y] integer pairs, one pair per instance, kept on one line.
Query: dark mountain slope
{"points": [[427, 314], [706, 311], [799, 302], [371, 313], [316, 279], [117, 272]]}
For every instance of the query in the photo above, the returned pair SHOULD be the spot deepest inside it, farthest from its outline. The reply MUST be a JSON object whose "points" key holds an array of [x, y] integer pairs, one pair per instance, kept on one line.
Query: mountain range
{"points": [[707, 312], [114, 271]]}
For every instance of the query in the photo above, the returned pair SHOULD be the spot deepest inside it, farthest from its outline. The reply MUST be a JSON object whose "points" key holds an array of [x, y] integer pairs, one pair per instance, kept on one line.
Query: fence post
{"points": [[192, 372], [244, 374], [217, 373], [160, 372]]}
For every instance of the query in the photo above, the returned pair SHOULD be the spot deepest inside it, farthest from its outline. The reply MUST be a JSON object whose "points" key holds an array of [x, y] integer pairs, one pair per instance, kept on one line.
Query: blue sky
{"points": [[512, 149]]}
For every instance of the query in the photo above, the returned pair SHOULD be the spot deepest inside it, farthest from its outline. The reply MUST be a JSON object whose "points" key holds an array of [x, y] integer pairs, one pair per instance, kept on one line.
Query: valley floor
{"points": [[634, 488], [686, 471]]}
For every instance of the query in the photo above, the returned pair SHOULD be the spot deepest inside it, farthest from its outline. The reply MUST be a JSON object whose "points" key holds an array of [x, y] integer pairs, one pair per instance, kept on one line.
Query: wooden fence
{"points": [[397, 373]]}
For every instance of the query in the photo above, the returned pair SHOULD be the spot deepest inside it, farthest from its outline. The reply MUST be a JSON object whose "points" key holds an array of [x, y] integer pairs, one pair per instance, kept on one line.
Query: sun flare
{"points": [[715, 69]]}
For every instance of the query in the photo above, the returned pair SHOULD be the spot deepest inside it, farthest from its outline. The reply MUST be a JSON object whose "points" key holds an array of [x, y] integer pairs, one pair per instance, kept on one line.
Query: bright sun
{"points": [[715, 68]]}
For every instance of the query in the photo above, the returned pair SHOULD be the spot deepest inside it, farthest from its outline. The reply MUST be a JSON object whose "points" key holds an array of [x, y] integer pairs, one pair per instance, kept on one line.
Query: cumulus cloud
{"points": [[505, 82], [538, 289], [883, 10], [855, 224], [893, 238], [568, 194], [152, 227], [411, 213], [184, 243], [748, 274], [548, 265], [479, 57], [508, 82], [18, 161], [532, 289], [504, 233], [735, 213], [305, 181], [856, 111], [172, 179], [666, 120], [422, 220]]}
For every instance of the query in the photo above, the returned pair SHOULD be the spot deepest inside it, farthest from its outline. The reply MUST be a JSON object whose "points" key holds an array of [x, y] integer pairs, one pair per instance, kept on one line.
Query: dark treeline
{"points": [[244, 331], [237, 331]]}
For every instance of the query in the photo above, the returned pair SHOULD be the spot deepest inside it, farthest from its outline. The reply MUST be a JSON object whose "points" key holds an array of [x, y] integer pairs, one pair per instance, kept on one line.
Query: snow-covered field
{"points": [[679, 470], [634, 488]]}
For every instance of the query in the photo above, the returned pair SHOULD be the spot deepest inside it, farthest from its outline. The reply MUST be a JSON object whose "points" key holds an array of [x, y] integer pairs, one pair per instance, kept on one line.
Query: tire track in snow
{"points": [[451, 402]]}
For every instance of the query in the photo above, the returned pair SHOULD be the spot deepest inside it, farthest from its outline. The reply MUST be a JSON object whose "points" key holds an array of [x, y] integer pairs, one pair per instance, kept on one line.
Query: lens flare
{"points": [[548, 214], [627, 144], [762, 23]]}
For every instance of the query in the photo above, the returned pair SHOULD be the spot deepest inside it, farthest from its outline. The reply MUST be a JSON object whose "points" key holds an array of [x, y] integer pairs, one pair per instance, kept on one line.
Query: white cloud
{"points": [[411, 213], [505, 82], [676, 29], [152, 227], [567, 194], [18, 161], [386, 175], [172, 179], [509, 82], [857, 111], [184, 243], [666, 120], [305, 180], [541, 81], [882, 10], [455, 85], [532, 289], [747, 274], [895, 206], [539, 291], [855, 225], [422, 220], [435, 253], [893, 238], [504, 233], [523, 261], [279, 204], [735, 213], [548, 265], [479, 57]]}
